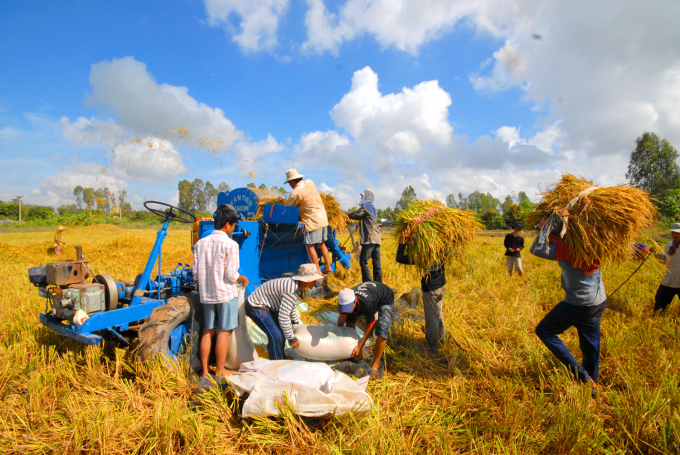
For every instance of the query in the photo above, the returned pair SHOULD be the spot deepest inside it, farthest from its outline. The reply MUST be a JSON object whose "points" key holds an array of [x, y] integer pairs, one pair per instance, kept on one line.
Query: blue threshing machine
{"points": [[157, 310]]}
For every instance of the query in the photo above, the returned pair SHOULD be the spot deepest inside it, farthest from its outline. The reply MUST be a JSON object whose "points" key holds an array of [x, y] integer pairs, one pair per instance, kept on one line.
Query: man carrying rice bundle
{"points": [[369, 237], [429, 235], [433, 285], [307, 199], [584, 302], [670, 283]]}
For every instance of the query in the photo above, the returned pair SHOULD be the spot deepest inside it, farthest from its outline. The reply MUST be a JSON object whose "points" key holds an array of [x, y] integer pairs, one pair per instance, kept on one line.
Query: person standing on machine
{"points": [[369, 237], [307, 199], [215, 268]]}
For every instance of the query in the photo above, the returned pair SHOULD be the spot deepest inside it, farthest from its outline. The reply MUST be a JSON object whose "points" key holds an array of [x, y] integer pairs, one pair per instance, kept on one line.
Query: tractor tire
{"points": [[154, 336]]}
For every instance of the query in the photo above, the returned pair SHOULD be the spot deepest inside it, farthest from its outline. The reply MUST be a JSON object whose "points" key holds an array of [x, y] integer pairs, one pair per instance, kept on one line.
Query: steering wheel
{"points": [[170, 215]]}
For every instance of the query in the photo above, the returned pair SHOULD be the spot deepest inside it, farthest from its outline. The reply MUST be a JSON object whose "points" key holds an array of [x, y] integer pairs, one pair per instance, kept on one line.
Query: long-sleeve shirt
{"points": [[672, 277], [307, 199], [430, 282], [281, 296], [369, 232], [216, 263], [516, 242], [580, 289]]}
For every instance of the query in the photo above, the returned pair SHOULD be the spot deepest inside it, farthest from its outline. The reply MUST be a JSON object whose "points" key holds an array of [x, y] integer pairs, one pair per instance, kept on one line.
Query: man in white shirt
{"points": [[306, 198], [670, 283], [216, 263]]}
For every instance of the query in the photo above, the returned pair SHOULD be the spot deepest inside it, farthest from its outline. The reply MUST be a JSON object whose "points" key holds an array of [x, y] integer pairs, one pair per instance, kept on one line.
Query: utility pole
{"points": [[19, 197]]}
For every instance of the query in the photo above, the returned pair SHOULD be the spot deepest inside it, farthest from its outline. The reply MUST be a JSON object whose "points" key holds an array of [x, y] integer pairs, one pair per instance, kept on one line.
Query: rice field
{"points": [[493, 389]]}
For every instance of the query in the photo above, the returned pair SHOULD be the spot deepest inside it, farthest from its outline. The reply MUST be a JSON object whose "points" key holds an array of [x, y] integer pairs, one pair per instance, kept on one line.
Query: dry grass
{"points": [[494, 388], [603, 224]]}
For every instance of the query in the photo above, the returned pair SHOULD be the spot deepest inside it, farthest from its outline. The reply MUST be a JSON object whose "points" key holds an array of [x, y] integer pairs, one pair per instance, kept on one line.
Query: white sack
{"points": [[316, 375], [266, 392], [326, 342], [241, 348]]}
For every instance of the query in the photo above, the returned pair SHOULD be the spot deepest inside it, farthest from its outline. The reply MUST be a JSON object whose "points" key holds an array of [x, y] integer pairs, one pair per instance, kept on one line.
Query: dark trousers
{"points": [[371, 251], [664, 297], [268, 322], [586, 319]]}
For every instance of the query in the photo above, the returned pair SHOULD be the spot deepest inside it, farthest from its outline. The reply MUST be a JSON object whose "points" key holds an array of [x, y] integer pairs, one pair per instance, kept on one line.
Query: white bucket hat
{"points": [[675, 227], [292, 174], [308, 272]]}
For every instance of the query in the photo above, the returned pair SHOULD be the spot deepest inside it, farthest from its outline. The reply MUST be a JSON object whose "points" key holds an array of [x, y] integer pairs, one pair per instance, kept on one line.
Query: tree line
{"points": [[200, 198], [491, 211]]}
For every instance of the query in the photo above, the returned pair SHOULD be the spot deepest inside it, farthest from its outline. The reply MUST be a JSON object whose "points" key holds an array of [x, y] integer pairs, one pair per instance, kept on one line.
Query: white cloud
{"points": [[608, 70], [90, 131], [57, 189], [147, 159], [398, 123], [403, 24], [259, 21], [124, 88]]}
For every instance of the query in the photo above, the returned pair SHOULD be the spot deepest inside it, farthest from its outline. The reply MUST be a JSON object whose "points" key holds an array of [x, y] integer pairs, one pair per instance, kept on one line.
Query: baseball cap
{"points": [[675, 227], [346, 299]]}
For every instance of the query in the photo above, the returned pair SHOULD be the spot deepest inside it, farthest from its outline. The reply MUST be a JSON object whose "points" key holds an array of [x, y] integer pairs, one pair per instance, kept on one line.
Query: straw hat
{"points": [[308, 272], [292, 174]]}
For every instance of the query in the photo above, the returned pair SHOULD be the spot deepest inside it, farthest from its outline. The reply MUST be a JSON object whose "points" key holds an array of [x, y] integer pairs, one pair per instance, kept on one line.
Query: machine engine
{"points": [[65, 284]]}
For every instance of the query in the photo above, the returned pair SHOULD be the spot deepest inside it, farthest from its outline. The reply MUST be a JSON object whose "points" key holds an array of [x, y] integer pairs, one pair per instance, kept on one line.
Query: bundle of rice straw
{"points": [[433, 232], [603, 223], [337, 219]]}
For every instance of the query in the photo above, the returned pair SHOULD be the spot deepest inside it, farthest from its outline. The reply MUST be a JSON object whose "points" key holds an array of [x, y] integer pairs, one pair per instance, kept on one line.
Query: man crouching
{"points": [[365, 300]]}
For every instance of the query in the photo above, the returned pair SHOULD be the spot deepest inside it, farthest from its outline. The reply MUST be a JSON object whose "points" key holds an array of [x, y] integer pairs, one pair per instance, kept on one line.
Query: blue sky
{"points": [[447, 96]]}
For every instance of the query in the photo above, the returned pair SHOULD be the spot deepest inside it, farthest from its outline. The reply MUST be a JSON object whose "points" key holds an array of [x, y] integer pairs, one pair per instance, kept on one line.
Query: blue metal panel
{"points": [[244, 201], [278, 213], [205, 227], [222, 198], [121, 316], [249, 253], [87, 338]]}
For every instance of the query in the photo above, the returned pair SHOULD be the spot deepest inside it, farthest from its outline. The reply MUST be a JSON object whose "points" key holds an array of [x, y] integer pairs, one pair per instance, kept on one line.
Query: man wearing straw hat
{"points": [[670, 283], [366, 300], [272, 308], [584, 302], [369, 236], [307, 199]]}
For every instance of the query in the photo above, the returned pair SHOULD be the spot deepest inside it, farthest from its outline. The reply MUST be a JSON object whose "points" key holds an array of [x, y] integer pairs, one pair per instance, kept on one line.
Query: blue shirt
{"points": [[580, 290]]}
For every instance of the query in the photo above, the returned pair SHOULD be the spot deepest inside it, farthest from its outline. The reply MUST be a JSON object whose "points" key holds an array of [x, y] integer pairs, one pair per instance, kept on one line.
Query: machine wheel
{"points": [[165, 331]]}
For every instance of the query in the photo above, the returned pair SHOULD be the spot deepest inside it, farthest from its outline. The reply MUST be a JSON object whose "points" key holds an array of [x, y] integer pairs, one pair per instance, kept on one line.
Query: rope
{"points": [[422, 218], [631, 275]]}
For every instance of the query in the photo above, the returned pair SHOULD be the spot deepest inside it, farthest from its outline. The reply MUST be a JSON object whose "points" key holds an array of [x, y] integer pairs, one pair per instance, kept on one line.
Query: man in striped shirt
{"points": [[216, 263], [272, 308]]}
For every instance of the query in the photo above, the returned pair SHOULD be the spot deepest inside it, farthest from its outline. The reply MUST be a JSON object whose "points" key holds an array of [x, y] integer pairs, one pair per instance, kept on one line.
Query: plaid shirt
{"points": [[215, 267]]}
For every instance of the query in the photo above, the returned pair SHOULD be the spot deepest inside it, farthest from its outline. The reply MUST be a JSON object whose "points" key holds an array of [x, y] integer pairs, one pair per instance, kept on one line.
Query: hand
{"points": [[563, 212], [295, 345], [356, 352], [652, 250]]}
